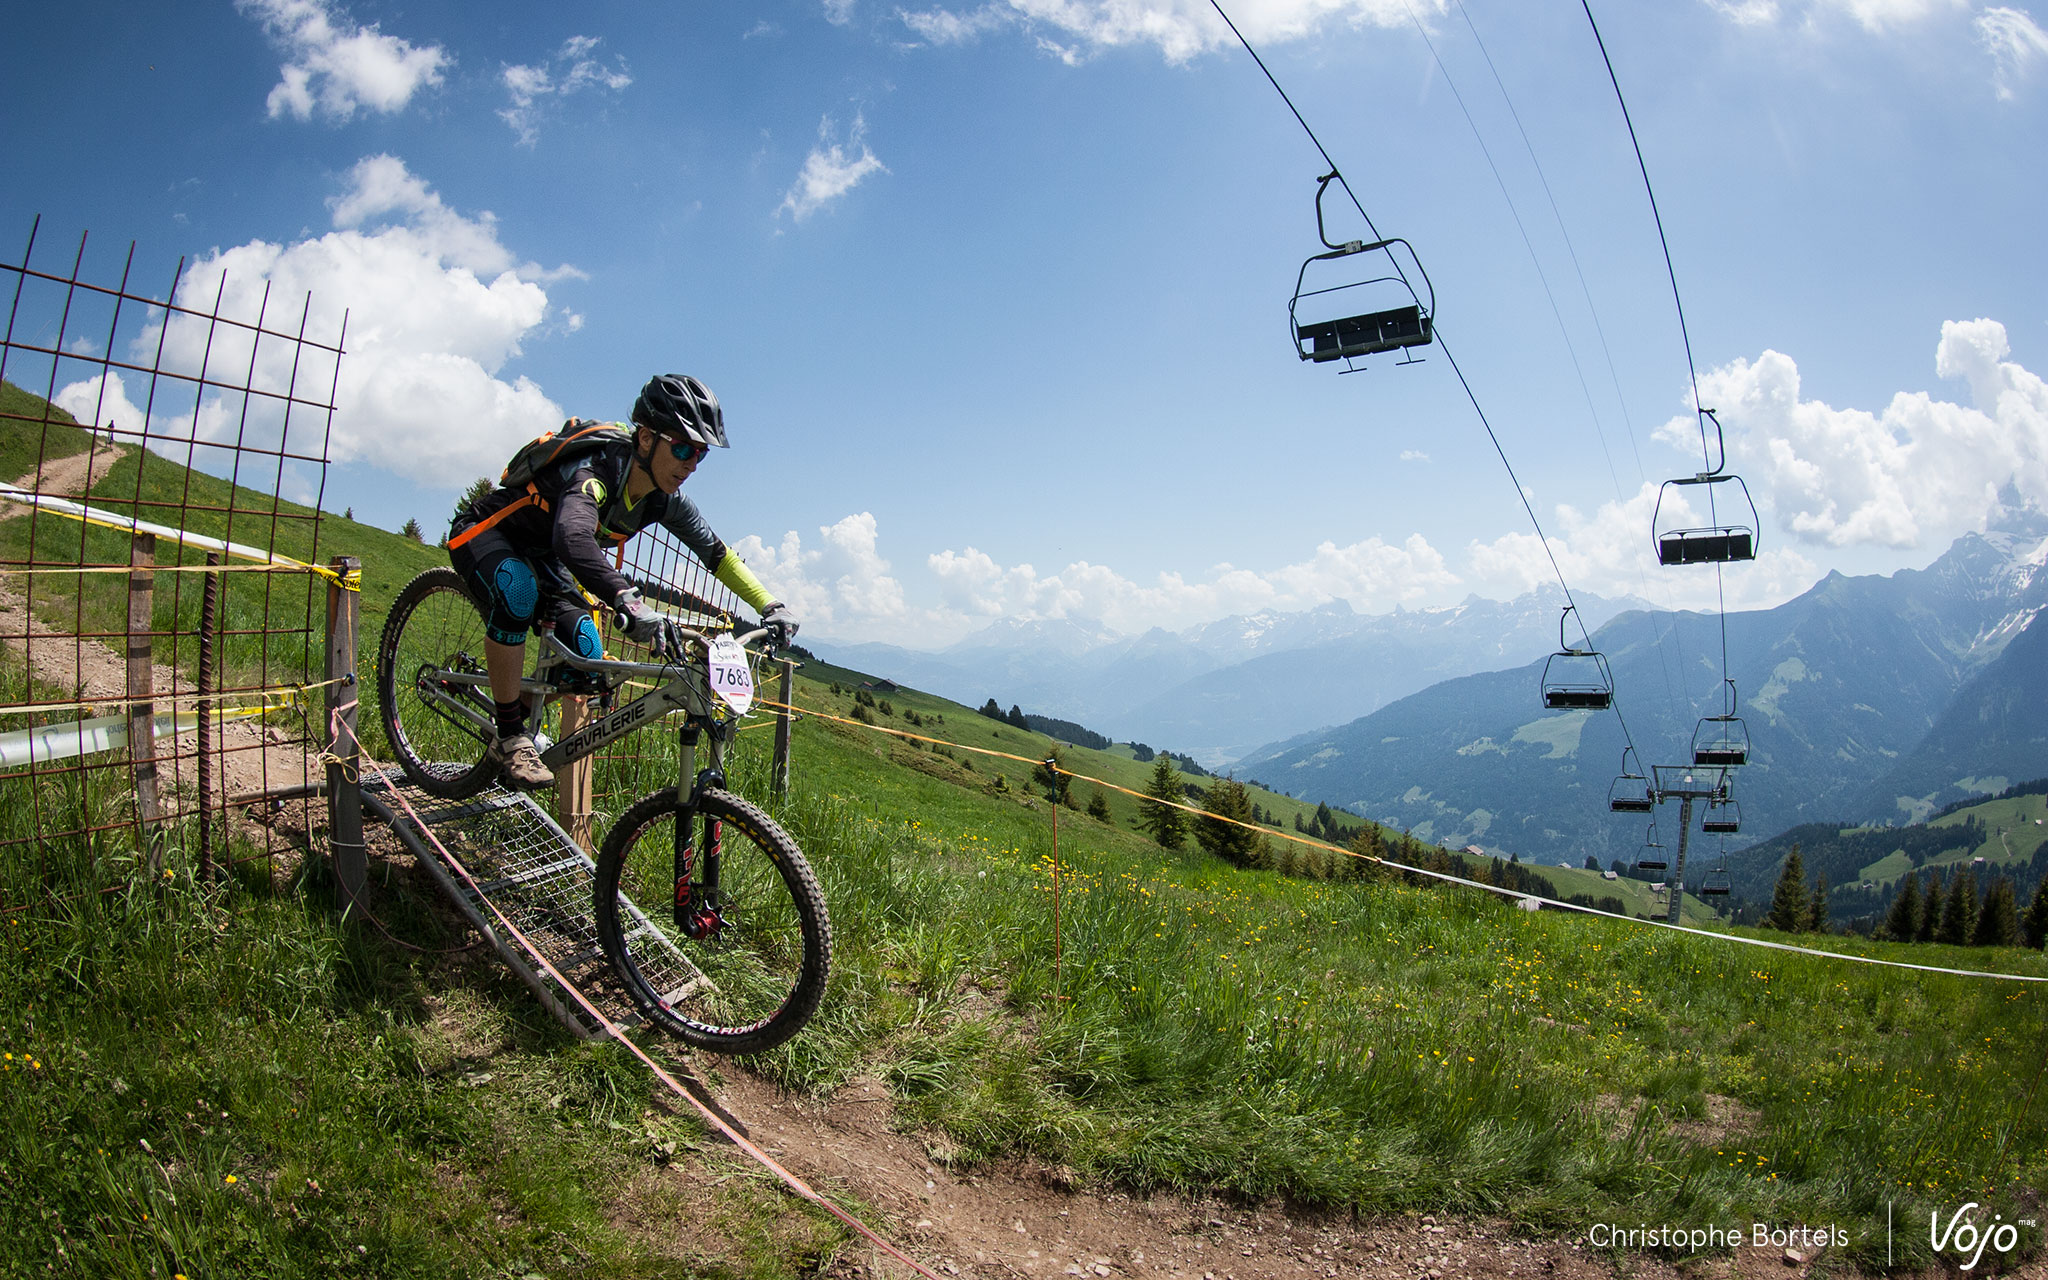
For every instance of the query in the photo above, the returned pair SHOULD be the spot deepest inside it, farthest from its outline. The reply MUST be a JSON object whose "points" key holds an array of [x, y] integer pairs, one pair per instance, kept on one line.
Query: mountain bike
{"points": [[705, 908]]}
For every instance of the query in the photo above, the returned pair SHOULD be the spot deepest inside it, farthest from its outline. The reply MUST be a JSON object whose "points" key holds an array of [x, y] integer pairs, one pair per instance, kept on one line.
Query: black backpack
{"points": [[578, 436]]}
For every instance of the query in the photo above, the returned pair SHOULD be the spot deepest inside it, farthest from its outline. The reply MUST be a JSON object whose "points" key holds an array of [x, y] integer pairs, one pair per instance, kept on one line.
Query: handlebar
{"points": [[571, 658]]}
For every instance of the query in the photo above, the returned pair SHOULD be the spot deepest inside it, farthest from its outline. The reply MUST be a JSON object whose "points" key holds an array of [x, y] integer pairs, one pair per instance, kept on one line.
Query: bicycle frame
{"points": [[685, 688]]}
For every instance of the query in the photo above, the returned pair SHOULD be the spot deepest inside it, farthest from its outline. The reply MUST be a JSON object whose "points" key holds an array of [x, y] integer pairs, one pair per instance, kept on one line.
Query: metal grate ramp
{"points": [[526, 866]]}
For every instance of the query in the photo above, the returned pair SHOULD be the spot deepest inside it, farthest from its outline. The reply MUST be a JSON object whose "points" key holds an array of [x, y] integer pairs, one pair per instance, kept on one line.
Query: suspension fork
{"points": [[696, 879]]}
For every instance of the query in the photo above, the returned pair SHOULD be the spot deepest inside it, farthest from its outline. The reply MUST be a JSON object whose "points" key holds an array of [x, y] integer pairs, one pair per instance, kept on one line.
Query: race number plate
{"points": [[731, 678]]}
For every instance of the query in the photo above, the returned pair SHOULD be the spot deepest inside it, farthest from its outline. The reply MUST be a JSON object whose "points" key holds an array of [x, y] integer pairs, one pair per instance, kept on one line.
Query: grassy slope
{"points": [[1188, 1025], [1375, 1045]]}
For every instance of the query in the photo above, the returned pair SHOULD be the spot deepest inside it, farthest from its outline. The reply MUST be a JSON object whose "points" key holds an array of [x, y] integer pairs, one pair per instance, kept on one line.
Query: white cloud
{"points": [[1748, 13], [1885, 15], [831, 170], [436, 307], [1180, 29], [842, 584], [571, 70], [1371, 575], [1913, 476], [1612, 552], [337, 66], [2014, 41], [1414, 455], [1874, 16], [839, 12]]}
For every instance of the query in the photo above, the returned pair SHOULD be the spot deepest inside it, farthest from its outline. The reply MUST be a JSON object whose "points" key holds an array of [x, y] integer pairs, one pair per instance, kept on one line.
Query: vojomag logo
{"points": [[1963, 1236]]}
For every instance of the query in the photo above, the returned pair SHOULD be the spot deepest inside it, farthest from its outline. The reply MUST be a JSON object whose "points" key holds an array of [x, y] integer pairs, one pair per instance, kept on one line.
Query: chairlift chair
{"points": [[1576, 679], [1722, 739], [1716, 883], [1631, 791], [1722, 818], [1652, 857], [1324, 337], [1716, 543]]}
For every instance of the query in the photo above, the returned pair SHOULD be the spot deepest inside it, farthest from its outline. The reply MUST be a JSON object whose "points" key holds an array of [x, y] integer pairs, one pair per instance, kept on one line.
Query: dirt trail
{"points": [[256, 756], [1020, 1219]]}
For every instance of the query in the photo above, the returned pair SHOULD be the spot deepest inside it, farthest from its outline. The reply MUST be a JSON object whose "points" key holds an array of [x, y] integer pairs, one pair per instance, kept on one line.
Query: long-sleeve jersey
{"points": [[576, 511]]}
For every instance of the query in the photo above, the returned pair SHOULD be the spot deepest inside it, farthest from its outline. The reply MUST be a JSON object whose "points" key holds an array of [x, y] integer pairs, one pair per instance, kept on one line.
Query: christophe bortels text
{"points": [[1760, 1235]]}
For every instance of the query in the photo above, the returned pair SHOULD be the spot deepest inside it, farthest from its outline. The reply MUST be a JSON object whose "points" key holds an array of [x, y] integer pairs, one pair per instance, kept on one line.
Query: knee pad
{"points": [[516, 588], [579, 632]]}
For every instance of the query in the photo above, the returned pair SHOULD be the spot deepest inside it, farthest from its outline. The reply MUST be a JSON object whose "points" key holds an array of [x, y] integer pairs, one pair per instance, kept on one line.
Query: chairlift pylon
{"points": [[1324, 337], [1716, 543], [1722, 739], [1631, 791], [1576, 679]]}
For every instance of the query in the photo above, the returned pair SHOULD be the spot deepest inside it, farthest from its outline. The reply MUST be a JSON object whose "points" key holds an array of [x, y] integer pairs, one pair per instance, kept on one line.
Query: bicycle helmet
{"points": [[675, 404]]}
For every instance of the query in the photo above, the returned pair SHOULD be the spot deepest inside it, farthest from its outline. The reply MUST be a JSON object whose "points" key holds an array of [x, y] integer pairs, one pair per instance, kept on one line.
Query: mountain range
{"points": [[1219, 691], [1871, 699], [1864, 700]]}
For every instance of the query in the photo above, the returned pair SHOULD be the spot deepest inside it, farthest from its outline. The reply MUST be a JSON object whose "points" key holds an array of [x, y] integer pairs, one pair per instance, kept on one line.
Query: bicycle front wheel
{"points": [[436, 710], [741, 966]]}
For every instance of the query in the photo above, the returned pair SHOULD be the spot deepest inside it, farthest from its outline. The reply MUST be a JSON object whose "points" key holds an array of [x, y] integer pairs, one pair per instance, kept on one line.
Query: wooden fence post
{"points": [[778, 778], [141, 710], [344, 765], [573, 784]]}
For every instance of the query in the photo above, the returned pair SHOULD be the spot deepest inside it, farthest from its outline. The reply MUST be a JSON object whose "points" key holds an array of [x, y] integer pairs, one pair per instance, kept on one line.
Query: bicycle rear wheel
{"points": [[434, 702], [746, 968]]}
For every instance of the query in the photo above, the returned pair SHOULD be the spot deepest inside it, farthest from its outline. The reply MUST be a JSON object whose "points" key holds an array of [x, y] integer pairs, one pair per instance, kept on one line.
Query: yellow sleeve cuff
{"points": [[733, 572]]}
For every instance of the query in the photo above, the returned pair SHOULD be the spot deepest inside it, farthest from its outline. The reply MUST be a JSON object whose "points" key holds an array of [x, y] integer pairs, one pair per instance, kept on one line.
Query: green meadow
{"points": [[224, 1079]]}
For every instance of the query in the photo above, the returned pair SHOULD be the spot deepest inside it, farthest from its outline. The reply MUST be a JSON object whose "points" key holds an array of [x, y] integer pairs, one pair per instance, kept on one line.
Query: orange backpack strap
{"points": [[531, 498]]}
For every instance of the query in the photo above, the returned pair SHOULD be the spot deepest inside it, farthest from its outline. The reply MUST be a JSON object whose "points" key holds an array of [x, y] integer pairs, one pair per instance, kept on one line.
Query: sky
{"points": [[995, 295]]}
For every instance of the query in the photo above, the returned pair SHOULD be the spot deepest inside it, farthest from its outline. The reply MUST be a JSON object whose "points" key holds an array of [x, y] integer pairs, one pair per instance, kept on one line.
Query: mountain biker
{"points": [[523, 549]]}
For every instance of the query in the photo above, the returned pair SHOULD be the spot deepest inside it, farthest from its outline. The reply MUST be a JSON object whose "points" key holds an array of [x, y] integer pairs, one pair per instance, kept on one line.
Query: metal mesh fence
{"points": [[161, 626]]}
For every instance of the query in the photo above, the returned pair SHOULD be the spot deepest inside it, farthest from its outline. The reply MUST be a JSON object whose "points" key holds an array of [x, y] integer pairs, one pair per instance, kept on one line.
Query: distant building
{"points": [[1609, 875], [1475, 850]]}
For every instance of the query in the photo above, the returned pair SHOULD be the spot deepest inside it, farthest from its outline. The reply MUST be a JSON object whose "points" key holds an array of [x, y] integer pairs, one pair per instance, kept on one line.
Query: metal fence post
{"points": [[141, 710], [779, 774], [344, 764]]}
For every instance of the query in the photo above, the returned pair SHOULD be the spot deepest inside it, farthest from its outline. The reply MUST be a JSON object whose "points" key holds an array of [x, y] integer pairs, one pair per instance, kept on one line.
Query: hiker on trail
{"points": [[564, 502]]}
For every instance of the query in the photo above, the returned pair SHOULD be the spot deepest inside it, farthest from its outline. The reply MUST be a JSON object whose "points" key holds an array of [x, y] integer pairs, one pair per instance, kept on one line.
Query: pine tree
{"points": [[1229, 838], [2035, 925], [1788, 899], [991, 710], [1016, 717], [1051, 773], [1998, 924], [1931, 906], [1817, 905], [1156, 815], [1959, 913], [1902, 922], [411, 529], [476, 492], [1098, 806]]}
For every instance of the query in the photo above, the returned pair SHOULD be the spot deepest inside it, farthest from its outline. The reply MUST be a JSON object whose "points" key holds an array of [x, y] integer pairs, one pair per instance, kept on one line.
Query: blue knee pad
{"points": [[580, 634], [516, 595]]}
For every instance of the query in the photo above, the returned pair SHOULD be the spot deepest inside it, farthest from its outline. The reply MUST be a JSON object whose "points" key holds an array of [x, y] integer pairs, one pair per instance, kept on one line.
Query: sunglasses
{"points": [[686, 452]]}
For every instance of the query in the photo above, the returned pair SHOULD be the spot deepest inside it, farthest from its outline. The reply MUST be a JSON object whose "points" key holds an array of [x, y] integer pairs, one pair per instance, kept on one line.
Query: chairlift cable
{"points": [[1599, 329], [1678, 303], [1521, 493], [1670, 271]]}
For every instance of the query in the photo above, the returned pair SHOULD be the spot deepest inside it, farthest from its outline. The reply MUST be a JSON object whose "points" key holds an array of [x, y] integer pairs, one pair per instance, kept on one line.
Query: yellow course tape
{"points": [[1392, 865], [351, 581], [278, 698]]}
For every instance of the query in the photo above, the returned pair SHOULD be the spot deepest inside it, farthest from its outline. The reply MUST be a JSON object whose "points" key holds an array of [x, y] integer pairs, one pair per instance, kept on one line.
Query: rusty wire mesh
{"points": [[196, 411]]}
